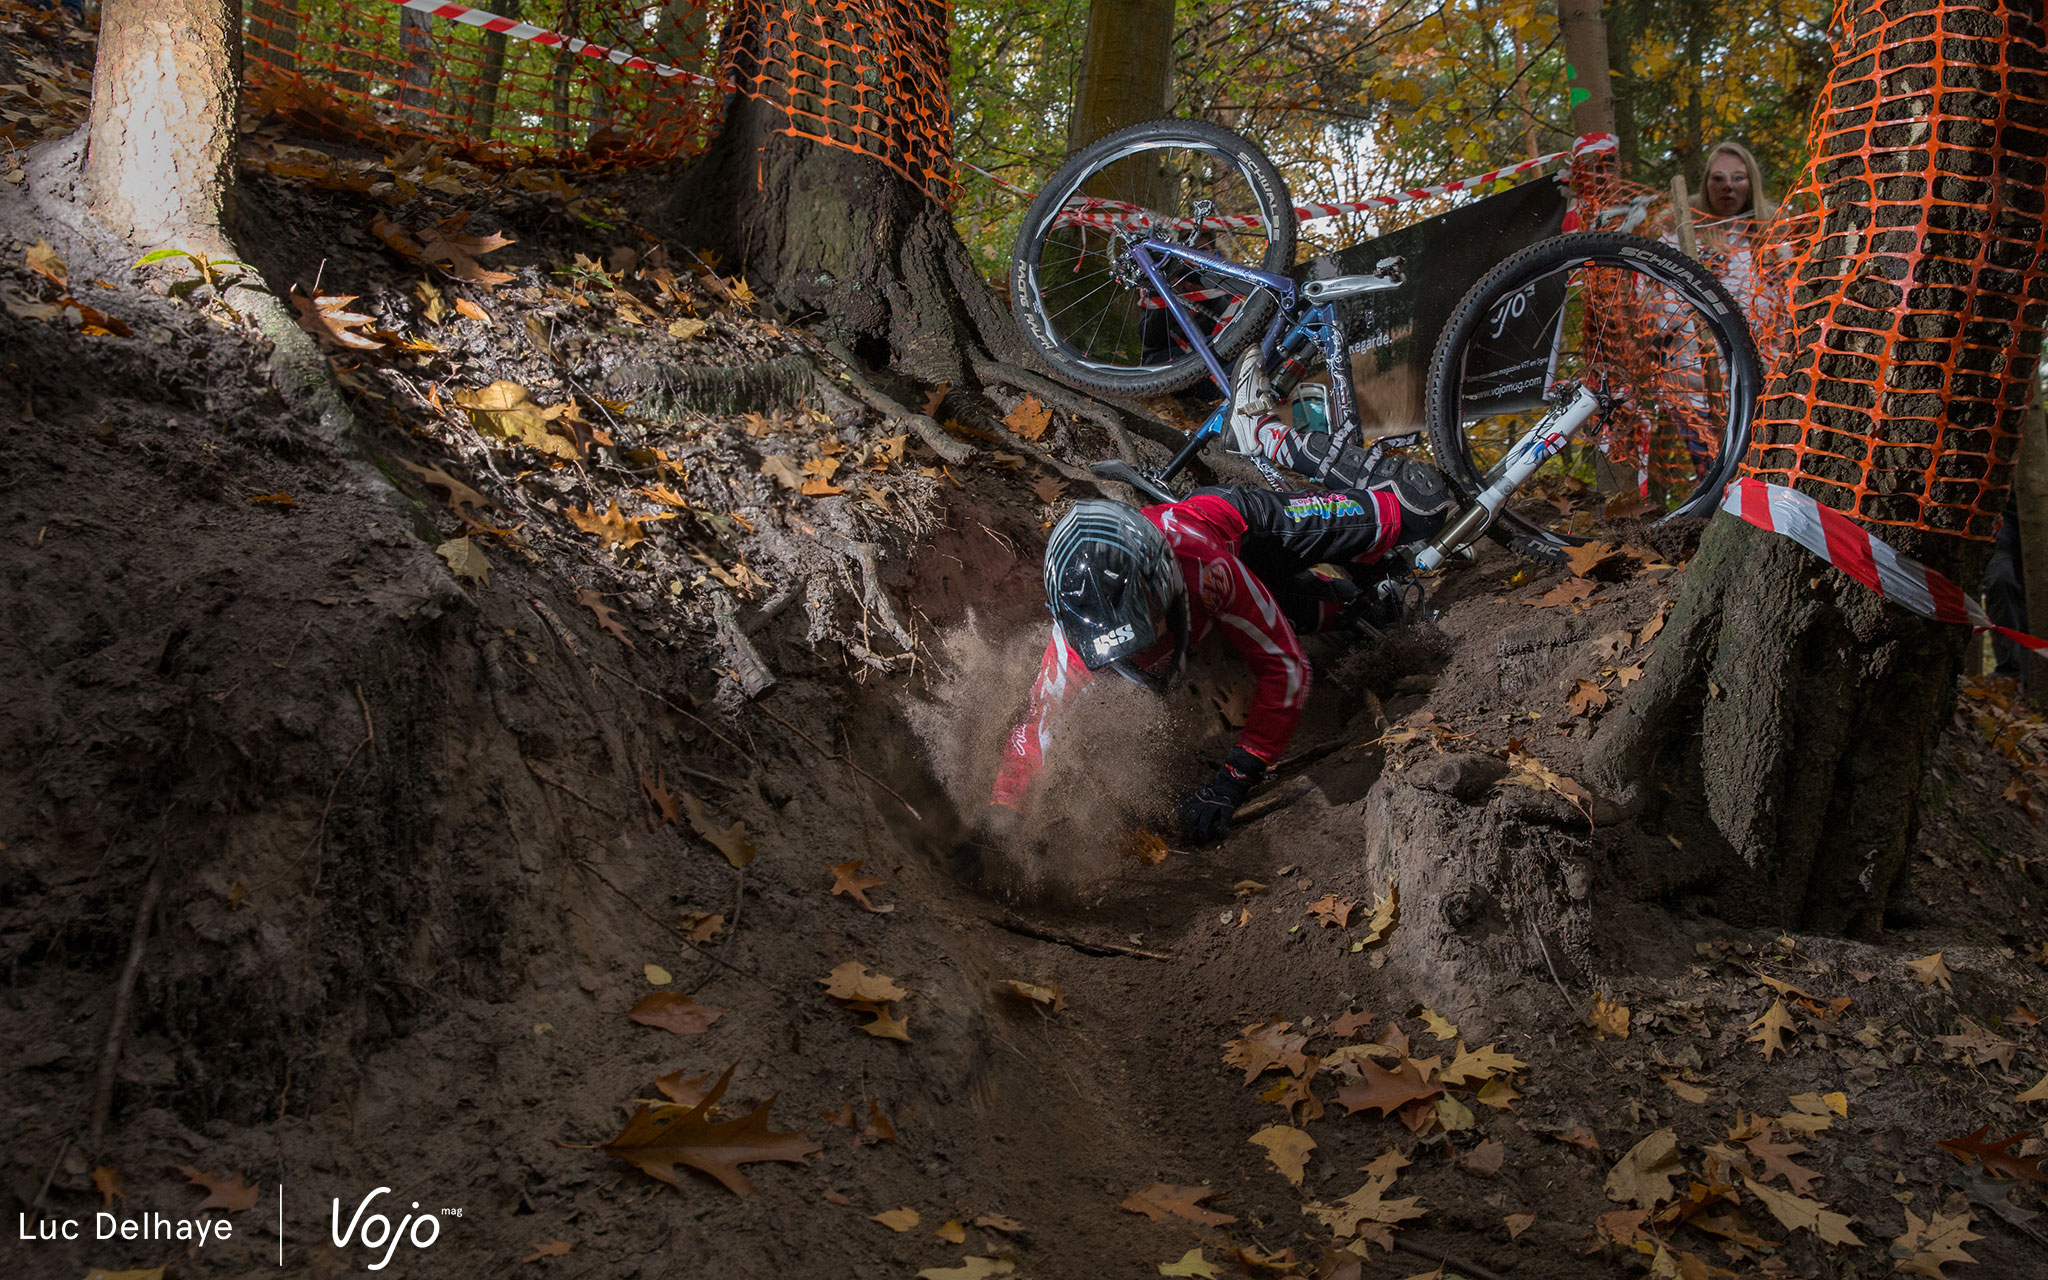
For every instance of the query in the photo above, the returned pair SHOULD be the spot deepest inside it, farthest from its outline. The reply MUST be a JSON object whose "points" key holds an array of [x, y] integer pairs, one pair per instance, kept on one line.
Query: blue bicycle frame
{"points": [[1294, 327]]}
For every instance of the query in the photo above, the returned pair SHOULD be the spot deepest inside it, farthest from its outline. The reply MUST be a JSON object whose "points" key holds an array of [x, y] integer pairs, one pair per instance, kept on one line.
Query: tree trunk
{"points": [[416, 41], [164, 94], [1788, 716], [1585, 52], [838, 239], [1126, 74], [558, 80], [493, 74], [2031, 482]]}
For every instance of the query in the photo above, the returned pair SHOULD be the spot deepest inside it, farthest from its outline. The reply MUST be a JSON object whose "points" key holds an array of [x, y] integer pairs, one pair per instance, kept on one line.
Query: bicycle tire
{"points": [[1063, 275], [1621, 280]]}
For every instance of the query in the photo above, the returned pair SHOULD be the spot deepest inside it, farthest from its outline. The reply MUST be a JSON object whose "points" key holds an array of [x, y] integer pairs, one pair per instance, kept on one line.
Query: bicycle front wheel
{"points": [[1084, 306], [1630, 318]]}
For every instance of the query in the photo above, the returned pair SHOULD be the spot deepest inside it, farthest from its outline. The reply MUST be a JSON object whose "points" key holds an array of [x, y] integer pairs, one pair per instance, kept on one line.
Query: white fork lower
{"points": [[1543, 443]]}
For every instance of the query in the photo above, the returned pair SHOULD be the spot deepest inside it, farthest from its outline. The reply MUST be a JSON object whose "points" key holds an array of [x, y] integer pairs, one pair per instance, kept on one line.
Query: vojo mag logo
{"points": [[374, 1231]]}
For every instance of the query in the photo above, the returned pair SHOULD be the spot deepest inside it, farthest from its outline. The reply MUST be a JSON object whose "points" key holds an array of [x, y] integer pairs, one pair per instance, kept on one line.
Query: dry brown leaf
{"points": [[466, 560], [674, 1012], [448, 244], [1264, 1046], [1994, 1155], [1050, 996], [1778, 1162], [607, 617], [702, 926], [1029, 419], [1804, 1215], [1437, 1025], [1929, 970], [1485, 1159], [2039, 1093], [1690, 1092], [899, 1219], [223, 1191], [1471, 1065], [328, 319], [852, 981], [459, 494], [686, 329], [683, 1092], [547, 1249], [108, 1183], [1517, 1223], [614, 526], [507, 410], [655, 786], [1387, 1091], [1570, 591], [657, 1139], [1049, 489], [1287, 1148], [999, 1222], [44, 261], [464, 307], [1609, 1019], [1331, 911], [730, 840], [844, 880], [1642, 1177], [1159, 1201], [1585, 696], [1773, 1025], [1584, 559], [1367, 1212], [1925, 1246]]}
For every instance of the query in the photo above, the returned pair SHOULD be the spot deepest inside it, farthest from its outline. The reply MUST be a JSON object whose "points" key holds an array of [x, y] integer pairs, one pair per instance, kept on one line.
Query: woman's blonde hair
{"points": [[1761, 206]]}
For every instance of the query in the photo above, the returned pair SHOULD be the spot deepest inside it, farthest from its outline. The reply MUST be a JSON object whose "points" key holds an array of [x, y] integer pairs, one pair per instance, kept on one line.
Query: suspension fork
{"points": [[1540, 445]]}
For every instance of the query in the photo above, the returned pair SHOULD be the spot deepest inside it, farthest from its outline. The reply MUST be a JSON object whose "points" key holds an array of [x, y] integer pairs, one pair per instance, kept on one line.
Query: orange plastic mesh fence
{"points": [[872, 77], [1671, 423], [516, 76], [1915, 237]]}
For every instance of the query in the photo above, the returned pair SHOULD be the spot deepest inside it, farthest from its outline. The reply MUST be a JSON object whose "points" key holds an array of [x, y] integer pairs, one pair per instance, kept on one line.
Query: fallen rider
{"points": [[1131, 590]]}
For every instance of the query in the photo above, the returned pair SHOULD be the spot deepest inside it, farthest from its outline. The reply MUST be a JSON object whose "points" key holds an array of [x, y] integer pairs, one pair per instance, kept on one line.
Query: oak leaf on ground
{"points": [[1366, 1212], [607, 617], [655, 787], [1191, 1263], [459, 494], [683, 1092], [729, 840], [1642, 1176], [1387, 1091], [2039, 1093], [507, 410], [547, 1249], [852, 981], [1517, 1223], [657, 1139], [328, 319], [1924, 1246], [1287, 1149], [846, 881], [1610, 1019], [223, 1191], [1771, 1028], [952, 1231], [1350, 1023], [1498, 1093], [613, 525], [1570, 591], [1029, 419], [674, 1012], [1777, 1158], [1332, 912], [899, 1219], [1473, 1065], [1995, 1155], [1161, 1200], [1929, 970], [1264, 1046], [1050, 997], [1801, 1214]]}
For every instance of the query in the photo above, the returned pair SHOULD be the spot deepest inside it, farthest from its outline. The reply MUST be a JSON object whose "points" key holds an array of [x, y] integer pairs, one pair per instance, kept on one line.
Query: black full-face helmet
{"points": [[1113, 585]]}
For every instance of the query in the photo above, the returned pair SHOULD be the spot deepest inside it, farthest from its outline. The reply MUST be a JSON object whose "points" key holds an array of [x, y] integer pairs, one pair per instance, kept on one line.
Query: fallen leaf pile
{"points": [[871, 993]]}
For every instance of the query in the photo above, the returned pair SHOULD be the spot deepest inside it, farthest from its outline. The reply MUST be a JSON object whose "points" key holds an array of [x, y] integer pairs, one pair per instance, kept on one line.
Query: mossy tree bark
{"points": [[1785, 725]]}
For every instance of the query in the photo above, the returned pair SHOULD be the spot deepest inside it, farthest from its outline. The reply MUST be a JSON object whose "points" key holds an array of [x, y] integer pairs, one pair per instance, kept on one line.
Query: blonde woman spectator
{"points": [[1730, 213]]}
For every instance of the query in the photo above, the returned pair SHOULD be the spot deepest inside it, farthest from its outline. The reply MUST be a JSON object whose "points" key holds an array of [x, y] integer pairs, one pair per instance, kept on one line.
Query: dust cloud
{"points": [[1120, 757]]}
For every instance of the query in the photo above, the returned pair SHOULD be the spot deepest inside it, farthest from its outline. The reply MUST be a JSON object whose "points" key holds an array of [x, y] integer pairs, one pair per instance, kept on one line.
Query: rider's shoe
{"points": [[1421, 490], [1253, 425]]}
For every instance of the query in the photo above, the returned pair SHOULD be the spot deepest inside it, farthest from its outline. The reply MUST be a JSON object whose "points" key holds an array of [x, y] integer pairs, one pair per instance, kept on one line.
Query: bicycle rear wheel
{"points": [[1626, 316], [1091, 315]]}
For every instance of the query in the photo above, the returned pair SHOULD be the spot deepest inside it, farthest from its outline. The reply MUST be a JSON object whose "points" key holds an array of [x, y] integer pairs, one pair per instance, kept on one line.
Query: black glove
{"points": [[1205, 815]]}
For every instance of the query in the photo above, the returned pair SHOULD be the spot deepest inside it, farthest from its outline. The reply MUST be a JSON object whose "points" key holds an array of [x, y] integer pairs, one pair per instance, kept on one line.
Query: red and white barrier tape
{"points": [[517, 30], [1114, 214], [1854, 550]]}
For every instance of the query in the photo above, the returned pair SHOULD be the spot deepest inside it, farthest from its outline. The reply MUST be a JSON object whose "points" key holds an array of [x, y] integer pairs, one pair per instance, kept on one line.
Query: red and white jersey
{"points": [[1205, 532]]}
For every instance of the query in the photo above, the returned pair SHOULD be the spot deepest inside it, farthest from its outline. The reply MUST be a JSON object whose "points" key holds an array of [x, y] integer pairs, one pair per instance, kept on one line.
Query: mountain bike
{"points": [[1154, 257]]}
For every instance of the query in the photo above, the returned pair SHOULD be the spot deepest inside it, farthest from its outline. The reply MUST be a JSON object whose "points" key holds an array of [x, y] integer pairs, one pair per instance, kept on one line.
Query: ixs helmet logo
{"points": [[376, 1231]]}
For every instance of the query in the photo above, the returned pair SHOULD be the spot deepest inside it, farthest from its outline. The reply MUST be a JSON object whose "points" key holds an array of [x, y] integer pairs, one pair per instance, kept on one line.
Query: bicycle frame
{"points": [[1292, 323], [1319, 322]]}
